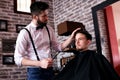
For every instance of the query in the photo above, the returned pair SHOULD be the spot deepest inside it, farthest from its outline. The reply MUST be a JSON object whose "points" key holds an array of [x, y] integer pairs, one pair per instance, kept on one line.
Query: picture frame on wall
{"points": [[19, 27], [3, 25], [8, 45], [21, 6], [8, 60]]}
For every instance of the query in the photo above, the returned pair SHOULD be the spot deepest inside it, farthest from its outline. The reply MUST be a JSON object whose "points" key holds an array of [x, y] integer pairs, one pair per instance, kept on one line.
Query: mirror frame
{"points": [[95, 22]]}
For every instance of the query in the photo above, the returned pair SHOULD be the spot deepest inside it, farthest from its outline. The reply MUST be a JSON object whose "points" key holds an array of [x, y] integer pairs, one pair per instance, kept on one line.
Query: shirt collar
{"points": [[33, 25]]}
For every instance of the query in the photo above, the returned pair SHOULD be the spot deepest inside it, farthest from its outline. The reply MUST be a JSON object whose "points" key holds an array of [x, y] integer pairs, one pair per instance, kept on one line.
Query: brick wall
{"points": [[103, 34], [75, 10]]}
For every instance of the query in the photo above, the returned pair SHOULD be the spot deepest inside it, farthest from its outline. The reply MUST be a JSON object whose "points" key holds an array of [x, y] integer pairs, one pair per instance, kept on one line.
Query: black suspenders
{"points": [[34, 44]]}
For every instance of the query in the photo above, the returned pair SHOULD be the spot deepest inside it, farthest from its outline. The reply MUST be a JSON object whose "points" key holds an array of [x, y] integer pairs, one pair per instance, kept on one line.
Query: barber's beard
{"points": [[41, 24]]}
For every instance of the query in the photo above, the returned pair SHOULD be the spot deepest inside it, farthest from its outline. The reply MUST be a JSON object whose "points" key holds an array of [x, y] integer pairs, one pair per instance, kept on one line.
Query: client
{"points": [[87, 64]]}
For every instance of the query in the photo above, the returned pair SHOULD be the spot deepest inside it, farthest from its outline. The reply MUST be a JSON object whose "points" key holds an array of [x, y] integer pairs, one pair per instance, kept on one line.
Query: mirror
{"points": [[106, 17]]}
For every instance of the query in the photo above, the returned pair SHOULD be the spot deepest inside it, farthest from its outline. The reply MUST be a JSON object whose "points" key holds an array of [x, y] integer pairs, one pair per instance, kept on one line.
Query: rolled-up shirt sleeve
{"points": [[20, 48]]}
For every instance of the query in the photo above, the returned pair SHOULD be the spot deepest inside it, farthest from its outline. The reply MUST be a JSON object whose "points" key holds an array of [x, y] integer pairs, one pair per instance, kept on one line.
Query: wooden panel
{"points": [[113, 39], [67, 27]]}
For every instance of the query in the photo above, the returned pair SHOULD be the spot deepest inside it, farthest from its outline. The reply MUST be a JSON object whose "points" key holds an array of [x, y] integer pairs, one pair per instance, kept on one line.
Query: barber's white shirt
{"points": [[40, 37]]}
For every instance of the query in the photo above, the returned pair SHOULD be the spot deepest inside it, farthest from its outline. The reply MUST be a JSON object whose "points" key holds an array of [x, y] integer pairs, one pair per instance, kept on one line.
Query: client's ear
{"points": [[35, 17], [89, 42]]}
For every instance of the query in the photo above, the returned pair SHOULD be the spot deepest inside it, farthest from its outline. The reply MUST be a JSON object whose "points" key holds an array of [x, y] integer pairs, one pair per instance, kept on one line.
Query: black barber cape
{"points": [[88, 65]]}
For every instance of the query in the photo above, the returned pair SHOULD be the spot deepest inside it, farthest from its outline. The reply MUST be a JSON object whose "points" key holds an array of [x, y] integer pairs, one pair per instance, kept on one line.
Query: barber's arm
{"points": [[45, 63]]}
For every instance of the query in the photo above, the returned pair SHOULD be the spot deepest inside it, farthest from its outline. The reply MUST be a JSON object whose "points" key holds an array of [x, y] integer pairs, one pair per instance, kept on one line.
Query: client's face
{"points": [[81, 42]]}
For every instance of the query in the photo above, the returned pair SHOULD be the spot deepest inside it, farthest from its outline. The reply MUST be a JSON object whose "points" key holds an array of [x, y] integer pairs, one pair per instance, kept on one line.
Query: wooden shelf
{"points": [[67, 27]]}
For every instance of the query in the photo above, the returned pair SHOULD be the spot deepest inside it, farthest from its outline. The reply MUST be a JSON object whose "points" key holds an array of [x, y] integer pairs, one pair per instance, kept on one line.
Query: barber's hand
{"points": [[45, 63], [72, 35]]}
